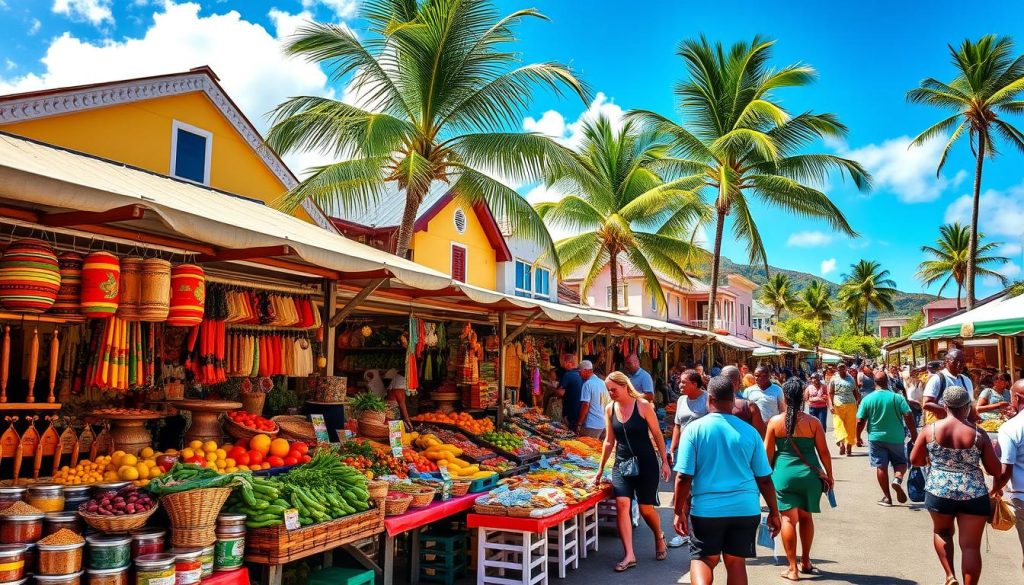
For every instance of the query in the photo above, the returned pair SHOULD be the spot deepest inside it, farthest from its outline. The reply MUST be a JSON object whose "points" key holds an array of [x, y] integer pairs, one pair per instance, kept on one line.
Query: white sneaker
{"points": [[676, 541]]}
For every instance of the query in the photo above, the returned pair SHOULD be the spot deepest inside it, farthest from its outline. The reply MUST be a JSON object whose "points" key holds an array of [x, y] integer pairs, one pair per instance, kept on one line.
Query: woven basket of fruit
{"points": [[121, 511], [243, 425]]}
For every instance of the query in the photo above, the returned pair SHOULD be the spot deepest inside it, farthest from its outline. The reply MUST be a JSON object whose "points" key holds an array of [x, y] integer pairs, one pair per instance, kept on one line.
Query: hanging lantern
{"points": [[69, 303], [188, 295], [101, 285], [131, 288], [155, 290], [29, 276]]}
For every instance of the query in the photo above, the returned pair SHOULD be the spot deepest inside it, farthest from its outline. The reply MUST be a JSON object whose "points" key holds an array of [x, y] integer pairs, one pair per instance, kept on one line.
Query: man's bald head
{"points": [[881, 379], [632, 363], [733, 373], [1018, 388], [955, 361]]}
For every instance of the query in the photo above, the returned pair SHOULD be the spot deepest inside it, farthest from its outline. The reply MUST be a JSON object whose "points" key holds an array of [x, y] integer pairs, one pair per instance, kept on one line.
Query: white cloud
{"points": [[1010, 250], [808, 239], [828, 266], [341, 8], [552, 123], [96, 12], [907, 171], [34, 26], [246, 56], [10, 65], [1001, 213], [1010, 270]]}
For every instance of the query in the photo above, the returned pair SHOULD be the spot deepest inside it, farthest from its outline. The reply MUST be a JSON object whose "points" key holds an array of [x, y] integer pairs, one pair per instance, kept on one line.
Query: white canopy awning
{"points": [[46, 176], [1003, 315]]}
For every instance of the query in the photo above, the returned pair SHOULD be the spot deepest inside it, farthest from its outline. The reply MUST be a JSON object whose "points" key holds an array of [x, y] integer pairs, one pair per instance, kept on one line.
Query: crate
{"points": [[341, 576], [484, 484], [443, 556], [277, 545], [514, 471], [442, 574]]}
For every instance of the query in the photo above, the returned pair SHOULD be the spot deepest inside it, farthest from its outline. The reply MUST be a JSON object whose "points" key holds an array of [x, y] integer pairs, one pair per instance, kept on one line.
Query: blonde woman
{"points": [[632, 430]]}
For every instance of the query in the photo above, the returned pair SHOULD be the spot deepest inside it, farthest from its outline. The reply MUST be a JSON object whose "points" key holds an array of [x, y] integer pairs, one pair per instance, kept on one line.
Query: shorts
{"points": [[731, 535], [980, 506], [884, 454]]}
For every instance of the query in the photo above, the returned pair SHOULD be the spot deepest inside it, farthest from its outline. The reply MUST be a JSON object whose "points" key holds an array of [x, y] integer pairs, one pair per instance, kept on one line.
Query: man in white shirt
{"points": [[1011, 455], [766, 395], [952, 375], [593, 398]]}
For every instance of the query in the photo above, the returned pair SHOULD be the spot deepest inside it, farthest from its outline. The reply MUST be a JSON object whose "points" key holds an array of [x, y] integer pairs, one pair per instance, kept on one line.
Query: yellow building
{"points": [[181, 125], [448, 236]]}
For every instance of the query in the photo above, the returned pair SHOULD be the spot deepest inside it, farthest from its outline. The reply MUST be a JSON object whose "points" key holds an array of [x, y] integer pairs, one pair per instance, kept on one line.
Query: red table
{"points": [[236, 577], [412, 521], [507, 544]]}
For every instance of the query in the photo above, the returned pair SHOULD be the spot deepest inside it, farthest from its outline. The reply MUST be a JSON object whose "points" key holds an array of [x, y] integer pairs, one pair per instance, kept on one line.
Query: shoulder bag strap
{"points": [[796, 449], [625, 431]]}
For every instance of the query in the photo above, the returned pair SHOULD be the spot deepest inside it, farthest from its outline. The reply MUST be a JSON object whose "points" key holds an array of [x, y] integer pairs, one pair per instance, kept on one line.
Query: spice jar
{"points": [[229, 550], [147, 541], [108, 576], [12, 562], [206, 561], [31, 554], [109, 552], [59, 559], [21, 529], [188, 568], [70, 579], [75, 496], [10, 495], [48, 497], [155, 569], [54, 521]]}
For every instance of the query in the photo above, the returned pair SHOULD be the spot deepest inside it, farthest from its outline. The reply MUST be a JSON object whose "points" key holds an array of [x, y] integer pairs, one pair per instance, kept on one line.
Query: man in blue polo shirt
{"points": [[722, 468]]}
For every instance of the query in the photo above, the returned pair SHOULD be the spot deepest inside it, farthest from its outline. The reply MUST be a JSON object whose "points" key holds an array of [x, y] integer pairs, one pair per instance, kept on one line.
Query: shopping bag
{"points": [[915, 485], [764, 534], [1003, 517]]}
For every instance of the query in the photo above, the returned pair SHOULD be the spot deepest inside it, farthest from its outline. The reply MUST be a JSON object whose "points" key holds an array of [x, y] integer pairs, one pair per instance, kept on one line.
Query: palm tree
{"points": [[867, 287], [989, 80], [742, 145], [778, 294], [948, 259], [438, 91], [815, 303], [618, 206]]}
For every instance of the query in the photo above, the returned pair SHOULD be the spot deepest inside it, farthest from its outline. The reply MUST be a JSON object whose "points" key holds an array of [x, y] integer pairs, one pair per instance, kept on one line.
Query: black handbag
{"points": [[627, 467]]}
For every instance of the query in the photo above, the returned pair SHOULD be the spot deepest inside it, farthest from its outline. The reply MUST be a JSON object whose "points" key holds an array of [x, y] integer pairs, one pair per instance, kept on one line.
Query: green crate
{"points": [[341, 576]]}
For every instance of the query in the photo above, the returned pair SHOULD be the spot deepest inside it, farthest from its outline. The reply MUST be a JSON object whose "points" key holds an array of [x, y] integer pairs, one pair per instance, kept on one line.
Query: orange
{"points": [[260, 443], [279, 447]]}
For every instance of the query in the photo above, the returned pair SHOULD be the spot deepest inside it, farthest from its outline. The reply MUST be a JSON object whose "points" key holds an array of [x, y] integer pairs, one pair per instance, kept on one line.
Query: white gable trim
{"points": [[66, 102]]}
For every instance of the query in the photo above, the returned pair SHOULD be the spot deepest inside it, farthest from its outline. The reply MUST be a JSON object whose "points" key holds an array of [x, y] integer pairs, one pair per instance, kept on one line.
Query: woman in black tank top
{"points": [[633, 431]]}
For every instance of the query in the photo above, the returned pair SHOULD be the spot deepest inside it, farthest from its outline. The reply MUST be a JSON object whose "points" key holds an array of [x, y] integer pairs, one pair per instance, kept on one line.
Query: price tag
{"points": [[446, 490], [291, 519], [445, 474], [396, 429], [320, 428]]}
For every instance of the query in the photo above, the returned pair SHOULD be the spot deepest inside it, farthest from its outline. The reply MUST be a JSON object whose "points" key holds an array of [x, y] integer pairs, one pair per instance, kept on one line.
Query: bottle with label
{"points": [[229, 550]]}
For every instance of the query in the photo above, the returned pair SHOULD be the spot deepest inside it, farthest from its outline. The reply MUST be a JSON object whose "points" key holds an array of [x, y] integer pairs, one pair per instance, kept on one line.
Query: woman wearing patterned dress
{"points": [[955, 491]]}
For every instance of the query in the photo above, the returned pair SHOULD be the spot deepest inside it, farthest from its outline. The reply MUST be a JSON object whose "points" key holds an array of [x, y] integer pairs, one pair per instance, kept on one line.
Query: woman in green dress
{"points": [[802, 467]]}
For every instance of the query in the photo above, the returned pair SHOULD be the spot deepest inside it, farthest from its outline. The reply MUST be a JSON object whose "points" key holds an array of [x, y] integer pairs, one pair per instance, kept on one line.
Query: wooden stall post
{"points": [[502, 327], [664, 358], [579, 344], [330, 307]]}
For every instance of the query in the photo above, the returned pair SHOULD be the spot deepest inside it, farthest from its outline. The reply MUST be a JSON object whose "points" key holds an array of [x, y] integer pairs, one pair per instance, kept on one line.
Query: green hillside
{"points": [[906, 304]]}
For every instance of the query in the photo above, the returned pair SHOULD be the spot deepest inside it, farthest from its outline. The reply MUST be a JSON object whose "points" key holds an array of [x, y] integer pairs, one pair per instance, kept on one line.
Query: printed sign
{"points": [[395, 431], [291, 519], [320, 428]]}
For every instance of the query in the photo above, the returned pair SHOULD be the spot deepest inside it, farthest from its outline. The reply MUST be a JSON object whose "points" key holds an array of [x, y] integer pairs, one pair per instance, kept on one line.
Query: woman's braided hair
{"points": [[793, 391]]}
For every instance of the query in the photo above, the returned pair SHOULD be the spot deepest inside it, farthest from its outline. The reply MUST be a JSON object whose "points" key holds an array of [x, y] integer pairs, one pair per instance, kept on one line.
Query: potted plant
{"points": [[371, 412]]}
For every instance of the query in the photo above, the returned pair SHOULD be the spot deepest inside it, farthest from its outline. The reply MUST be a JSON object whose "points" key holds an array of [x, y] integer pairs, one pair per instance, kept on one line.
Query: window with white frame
{"points": [[623, 293], [679, 308], [532, 281], [191, 149], [654, 301]]}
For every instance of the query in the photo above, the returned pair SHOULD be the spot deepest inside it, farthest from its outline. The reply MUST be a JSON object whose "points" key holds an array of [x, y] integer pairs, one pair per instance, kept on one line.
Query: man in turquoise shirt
{"points": [[886, 415], [722, 468]]}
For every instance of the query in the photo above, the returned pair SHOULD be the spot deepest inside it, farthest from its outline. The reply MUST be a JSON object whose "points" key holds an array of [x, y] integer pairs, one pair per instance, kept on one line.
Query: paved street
{"points": [[858, 543]]}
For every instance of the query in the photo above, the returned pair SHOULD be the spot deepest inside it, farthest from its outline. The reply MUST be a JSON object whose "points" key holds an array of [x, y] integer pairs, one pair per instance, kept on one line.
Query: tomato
{"points": [[306, 458], [255, 457], [235, 452], [275, 461], [291, 460], [294, 454], [301, 447]]}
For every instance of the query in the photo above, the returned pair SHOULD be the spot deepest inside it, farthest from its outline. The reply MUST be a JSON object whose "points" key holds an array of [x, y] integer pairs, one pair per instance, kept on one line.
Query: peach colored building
{"points": [[686, 304]]}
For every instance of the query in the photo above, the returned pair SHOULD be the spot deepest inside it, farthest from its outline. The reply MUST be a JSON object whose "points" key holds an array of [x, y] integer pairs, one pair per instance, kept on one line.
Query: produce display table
{"points": [[412, 521], [205, 418], [521, 544]]}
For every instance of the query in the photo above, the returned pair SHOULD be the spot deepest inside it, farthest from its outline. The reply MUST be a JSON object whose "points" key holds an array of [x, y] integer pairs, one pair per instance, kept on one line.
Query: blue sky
{"points": [[867, 54]]}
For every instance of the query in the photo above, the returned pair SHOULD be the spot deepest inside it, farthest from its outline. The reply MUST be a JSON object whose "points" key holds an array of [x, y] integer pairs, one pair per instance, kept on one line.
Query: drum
{"points": [[29, 276], [188, 295], [69, 303], [131, 288], [101, 285], [155, 299]]}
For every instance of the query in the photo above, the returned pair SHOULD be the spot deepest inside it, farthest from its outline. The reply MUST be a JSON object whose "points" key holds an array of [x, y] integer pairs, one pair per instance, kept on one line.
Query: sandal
{"points": [[885, 503], [952, 580], [810, 570], [661, 555], [842, 448], [624, 566]]}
